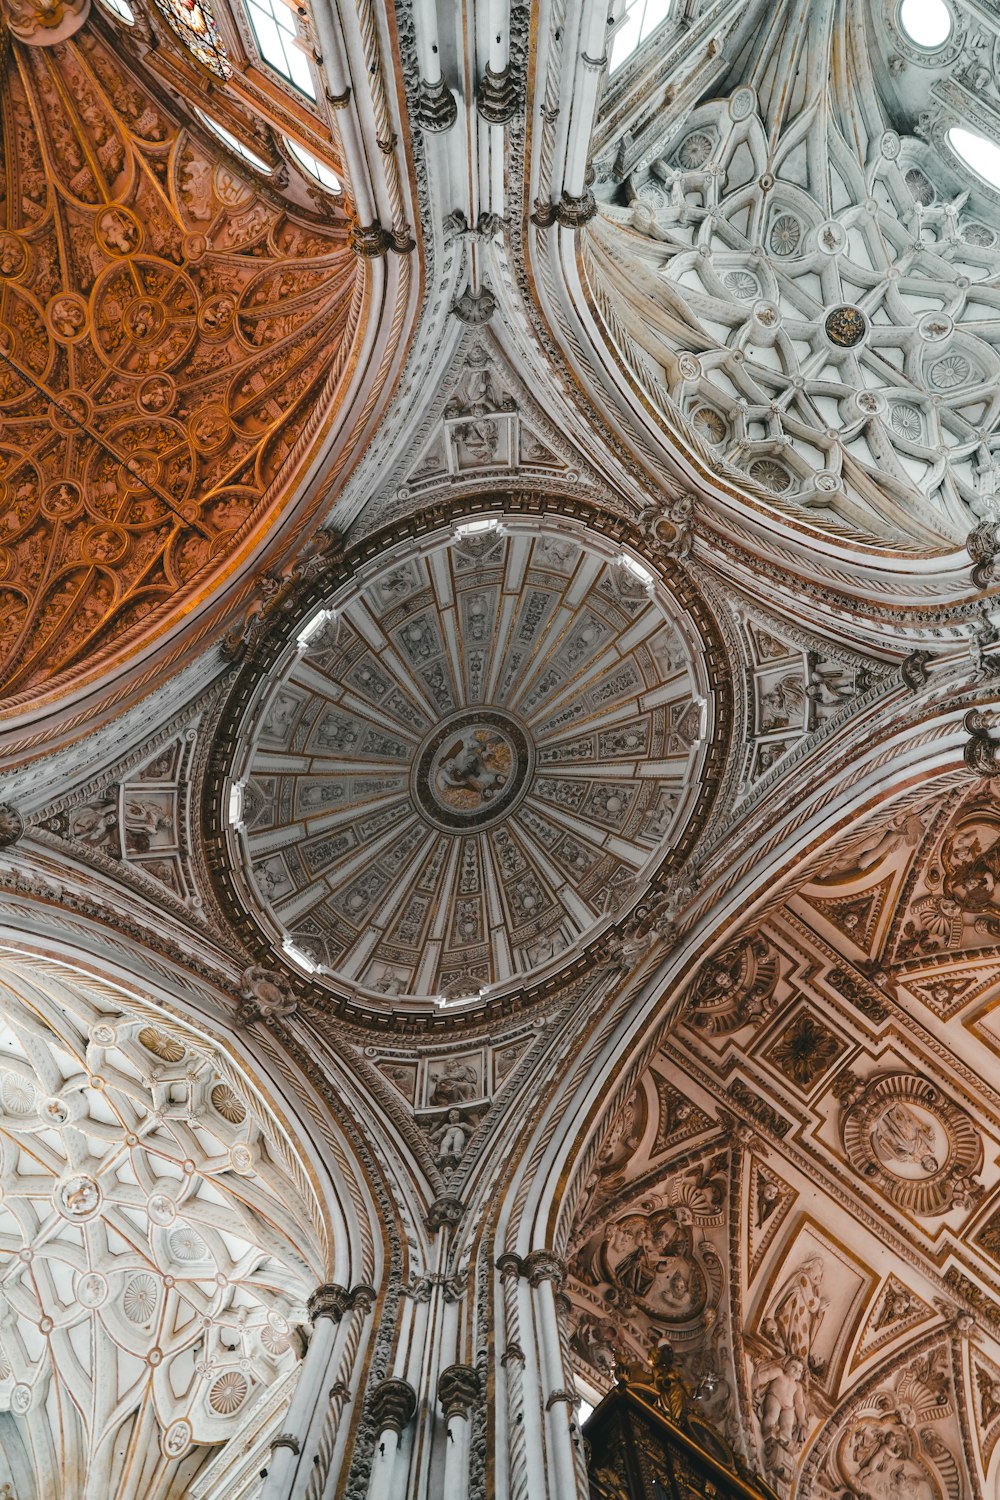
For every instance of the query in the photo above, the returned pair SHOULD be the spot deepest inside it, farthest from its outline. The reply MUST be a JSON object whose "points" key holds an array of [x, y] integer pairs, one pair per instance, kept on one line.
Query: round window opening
{"points": [[928, 23]]}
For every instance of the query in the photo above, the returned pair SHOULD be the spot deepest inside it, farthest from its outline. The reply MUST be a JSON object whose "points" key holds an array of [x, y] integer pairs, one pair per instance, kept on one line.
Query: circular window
{"points": [[979, 154], [313, 167], [926, 22]]}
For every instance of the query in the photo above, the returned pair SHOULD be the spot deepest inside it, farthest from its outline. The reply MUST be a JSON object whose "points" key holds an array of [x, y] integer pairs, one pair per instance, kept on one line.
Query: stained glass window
{"points": [[194, 23]]}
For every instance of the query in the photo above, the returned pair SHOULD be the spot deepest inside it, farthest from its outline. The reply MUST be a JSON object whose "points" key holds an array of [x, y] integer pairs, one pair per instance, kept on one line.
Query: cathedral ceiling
{"points": [[802, 1191], [798, 272], [151, 1291], [472, 754], [179, 328]]}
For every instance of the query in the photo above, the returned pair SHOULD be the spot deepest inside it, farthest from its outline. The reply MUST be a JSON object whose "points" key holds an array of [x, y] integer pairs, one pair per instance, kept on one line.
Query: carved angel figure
{"points": [[779, 1400]]}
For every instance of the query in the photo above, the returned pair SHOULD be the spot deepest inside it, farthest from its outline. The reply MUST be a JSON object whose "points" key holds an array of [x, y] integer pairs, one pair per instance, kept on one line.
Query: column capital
{"points": [[458, 1390], [329, 1301], [543, 1265], [392, 1404]]}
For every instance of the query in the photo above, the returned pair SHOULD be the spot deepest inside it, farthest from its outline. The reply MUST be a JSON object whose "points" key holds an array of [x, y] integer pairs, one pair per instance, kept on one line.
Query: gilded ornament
{"points": [[846, 327]]}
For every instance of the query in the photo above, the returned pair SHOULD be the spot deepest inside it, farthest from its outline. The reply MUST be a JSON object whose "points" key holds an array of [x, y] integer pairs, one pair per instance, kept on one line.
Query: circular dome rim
{"points": [[283, 617]]}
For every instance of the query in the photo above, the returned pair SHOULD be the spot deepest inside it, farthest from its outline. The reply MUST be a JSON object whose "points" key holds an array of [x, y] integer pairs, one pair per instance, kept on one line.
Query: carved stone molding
{"points": [[543, 1265]]}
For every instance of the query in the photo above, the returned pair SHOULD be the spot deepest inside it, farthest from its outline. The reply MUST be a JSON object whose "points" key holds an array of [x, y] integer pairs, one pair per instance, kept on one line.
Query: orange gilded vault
{"points": [[171, 343]]}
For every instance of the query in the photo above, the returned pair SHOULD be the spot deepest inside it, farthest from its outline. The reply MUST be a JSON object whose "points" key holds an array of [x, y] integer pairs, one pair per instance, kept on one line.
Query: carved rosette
{"points": [[902, 1134]]}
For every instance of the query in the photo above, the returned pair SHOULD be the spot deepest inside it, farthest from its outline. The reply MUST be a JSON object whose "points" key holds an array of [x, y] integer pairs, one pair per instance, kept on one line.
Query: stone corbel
{"points": [[436, 109], [392, 1404], [497, 99], [982, 751]]}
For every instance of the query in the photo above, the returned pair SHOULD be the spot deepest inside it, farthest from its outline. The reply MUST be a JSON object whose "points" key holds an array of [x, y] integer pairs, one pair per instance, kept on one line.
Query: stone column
{"points": [[546, 1273], [392, 1404], [291, 1450], [458, 1389]]}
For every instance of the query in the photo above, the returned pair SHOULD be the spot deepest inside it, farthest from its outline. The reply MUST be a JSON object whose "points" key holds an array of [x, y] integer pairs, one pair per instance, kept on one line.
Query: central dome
{"points": [[478, 749]]}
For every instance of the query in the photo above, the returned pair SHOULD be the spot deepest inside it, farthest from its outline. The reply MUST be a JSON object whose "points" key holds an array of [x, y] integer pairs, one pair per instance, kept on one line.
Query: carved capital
{"points": [[444, 1212], [371, 240], [510, 1265], [363, 1298], [574, 212], [458, 1390], [542, 1265], [436, 109], [392, 1404], [329, 1301], [981, 750], [497, 96]]}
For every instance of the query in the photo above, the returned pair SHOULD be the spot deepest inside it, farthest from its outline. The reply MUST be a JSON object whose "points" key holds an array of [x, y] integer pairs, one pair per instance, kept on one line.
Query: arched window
{"points": [[273, 26], [637, 20], [194, 23], [314, 168], [121, 10], [234, 144]]}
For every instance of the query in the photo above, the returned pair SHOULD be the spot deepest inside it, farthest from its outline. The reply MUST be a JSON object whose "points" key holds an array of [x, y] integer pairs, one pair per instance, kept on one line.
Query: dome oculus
{"points": [[928, 23], [484, 748]]}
